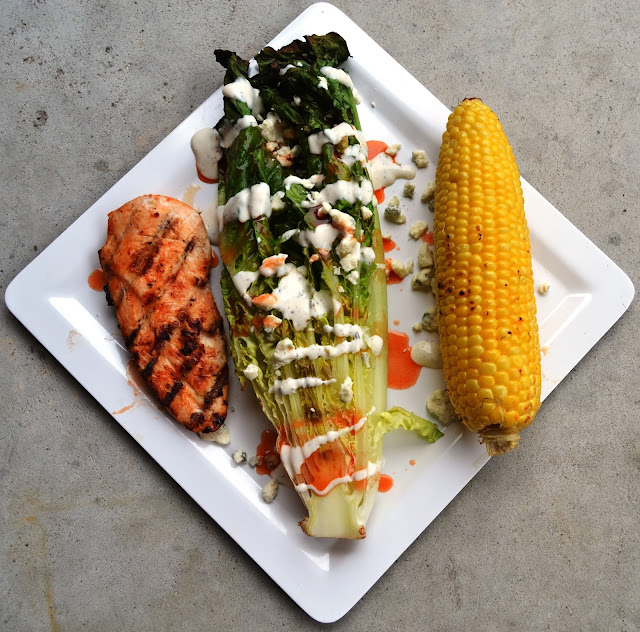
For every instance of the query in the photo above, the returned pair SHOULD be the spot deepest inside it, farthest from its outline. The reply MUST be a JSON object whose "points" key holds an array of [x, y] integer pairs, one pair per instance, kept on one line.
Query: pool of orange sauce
{"points": [[267, 451], [97, 280], [388, 244], [325, 465], [385, 484], [403, 371], [376, 147]]}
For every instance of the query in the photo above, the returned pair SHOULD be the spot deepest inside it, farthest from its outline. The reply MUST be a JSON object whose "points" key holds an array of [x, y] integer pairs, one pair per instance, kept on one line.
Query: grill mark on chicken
{"points": [[170, 396], [197, 419], [148, 369], [157, 299], [130, 339], [216, 390], [134, 278], [157, 260], [191, 361]]}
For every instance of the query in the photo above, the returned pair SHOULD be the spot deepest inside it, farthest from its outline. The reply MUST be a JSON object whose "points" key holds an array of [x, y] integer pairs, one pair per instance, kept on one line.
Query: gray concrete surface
{"points": [[94, 535]]}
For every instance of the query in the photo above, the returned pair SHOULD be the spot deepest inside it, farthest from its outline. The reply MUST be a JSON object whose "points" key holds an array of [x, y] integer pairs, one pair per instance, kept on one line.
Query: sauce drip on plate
{"points": [[403, 371], [97, 280], [388, 244], [270, 459], [385, 484]]}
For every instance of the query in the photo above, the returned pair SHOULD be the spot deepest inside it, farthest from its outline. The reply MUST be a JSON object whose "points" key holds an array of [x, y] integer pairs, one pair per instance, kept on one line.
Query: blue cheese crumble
{"points": [[420, 158]]}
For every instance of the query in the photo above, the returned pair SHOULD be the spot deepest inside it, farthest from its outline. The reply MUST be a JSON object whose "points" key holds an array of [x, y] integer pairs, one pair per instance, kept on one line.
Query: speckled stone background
{"points": [[94, 535]]}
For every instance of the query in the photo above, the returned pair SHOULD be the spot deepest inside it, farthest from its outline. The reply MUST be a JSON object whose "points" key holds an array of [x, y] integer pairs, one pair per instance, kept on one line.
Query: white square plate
{"points": [[326, 578]]}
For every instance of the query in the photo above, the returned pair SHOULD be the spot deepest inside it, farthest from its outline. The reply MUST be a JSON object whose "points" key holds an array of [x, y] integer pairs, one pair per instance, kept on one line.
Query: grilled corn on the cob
{"points": [[486, 305]]}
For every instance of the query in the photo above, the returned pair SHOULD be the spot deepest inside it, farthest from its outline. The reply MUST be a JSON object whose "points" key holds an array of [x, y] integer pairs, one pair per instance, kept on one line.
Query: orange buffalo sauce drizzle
{"points": [[376, 147], [403, 371], [268, 452], [97, 280], [214, 259], [331, 460], [385, 484]]}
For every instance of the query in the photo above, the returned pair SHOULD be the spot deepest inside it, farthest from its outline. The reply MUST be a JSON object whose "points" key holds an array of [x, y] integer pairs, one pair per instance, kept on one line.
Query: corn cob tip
{"points": [[498, 442]]}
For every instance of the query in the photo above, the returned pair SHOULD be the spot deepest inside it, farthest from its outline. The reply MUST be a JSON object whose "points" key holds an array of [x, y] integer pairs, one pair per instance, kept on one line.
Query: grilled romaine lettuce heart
{"points": [[304, 281]]}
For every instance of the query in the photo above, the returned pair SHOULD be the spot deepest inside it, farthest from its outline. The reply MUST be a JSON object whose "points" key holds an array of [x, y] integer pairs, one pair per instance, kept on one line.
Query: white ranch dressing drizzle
{"points": [[205, 145], [230, 132], [288, 235], [242, 90], [323, 83], [286, 352], [242, 280], [307, 183], [321, 238], [344, 330], [290, 385], [333, 135], [283, 71], [293, 456], [427, 353], [349, 191], [250, 203], [353, 153], [341, 77], [297, 301], [384, 172]]}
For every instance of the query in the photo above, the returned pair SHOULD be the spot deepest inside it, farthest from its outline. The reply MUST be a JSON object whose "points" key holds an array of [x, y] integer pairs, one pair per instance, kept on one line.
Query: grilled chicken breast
{"points": [[156, 262]]}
